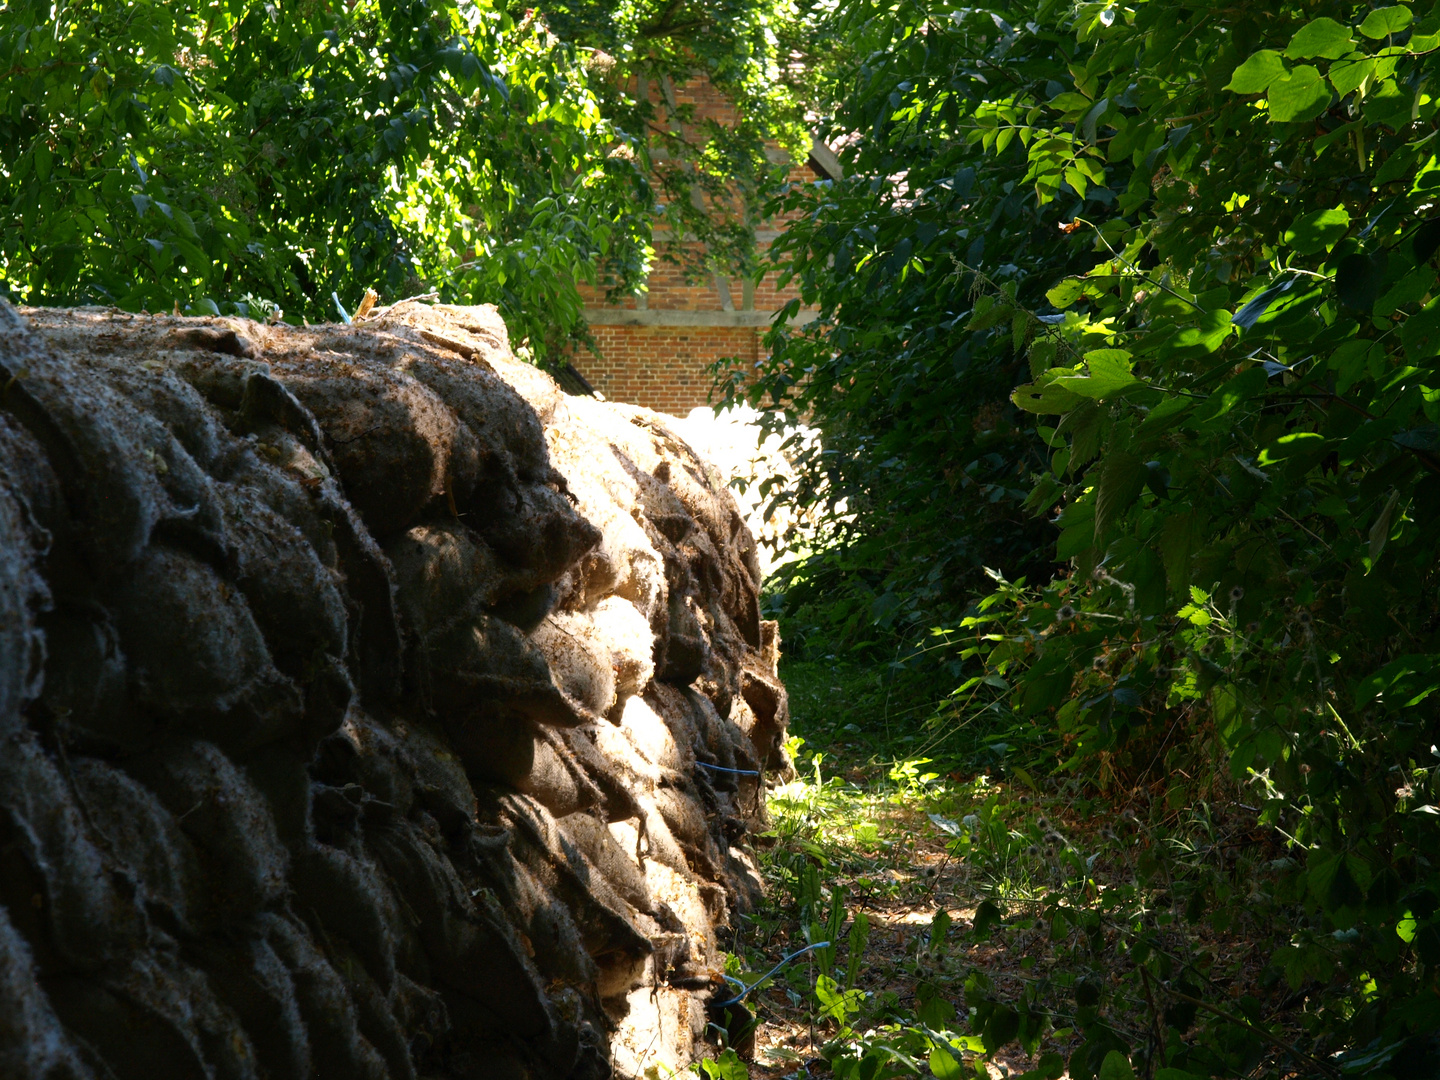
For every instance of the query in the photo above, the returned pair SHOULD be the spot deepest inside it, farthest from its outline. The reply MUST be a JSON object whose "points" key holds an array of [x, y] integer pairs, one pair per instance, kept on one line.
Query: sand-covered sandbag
{"points": [[32, 1040], [196, 657], [371, 708], [444, 573], [391, 437], [22, 597], [580, 659]]}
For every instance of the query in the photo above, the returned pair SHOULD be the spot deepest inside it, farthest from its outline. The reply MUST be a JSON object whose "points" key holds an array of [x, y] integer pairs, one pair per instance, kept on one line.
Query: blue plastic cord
{"points": [[746, 992], [722, 768]]}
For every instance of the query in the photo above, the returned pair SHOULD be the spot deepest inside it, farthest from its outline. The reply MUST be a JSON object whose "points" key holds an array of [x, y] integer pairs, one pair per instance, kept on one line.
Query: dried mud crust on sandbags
{"points": [[369, 708]]}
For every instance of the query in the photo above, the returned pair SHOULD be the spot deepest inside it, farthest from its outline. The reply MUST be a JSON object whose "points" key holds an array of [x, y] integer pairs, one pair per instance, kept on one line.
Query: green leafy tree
{"points": [[235, 156]]}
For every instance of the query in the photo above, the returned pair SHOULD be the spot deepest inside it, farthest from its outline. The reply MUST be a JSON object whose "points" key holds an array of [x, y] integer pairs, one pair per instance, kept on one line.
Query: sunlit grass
{"points": [[982, 890]]}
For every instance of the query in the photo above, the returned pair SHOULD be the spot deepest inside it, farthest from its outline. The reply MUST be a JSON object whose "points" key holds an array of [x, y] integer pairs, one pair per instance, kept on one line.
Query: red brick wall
{"points": [[663, 367]]}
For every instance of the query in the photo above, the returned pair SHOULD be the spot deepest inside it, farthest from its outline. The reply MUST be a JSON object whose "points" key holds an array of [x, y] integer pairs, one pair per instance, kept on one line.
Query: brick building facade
{"points": [[655, 349]]}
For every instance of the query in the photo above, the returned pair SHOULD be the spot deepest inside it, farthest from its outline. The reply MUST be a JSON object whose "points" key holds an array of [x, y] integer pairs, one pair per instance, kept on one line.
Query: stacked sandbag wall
{"points": [[369, 708]]}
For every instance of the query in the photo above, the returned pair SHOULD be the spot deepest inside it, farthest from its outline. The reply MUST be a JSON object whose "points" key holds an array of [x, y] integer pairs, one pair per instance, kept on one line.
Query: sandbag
{"points": [[196, 656], [371, 708], [33, 1044], [391, 437], [487, 666], [444, 572], [249, 975], [63, 892], [22, 597], [226, 819]]}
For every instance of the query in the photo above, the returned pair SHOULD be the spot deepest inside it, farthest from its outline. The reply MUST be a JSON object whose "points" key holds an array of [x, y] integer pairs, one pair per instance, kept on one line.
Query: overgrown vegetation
{"points": [[1028, 924], [1201, 241]]}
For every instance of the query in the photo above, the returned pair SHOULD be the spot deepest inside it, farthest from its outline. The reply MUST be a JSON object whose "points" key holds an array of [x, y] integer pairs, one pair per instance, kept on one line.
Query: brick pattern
{"points": [[663, 367]]}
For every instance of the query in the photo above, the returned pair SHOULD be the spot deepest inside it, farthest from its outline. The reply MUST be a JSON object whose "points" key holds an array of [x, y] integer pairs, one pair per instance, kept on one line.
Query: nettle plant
{"points": [[1242, 402]]}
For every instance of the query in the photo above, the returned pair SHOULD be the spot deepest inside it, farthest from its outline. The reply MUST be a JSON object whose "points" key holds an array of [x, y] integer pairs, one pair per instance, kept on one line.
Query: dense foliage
{"points": [[1203, 239], [918, 426], [232, 156]]}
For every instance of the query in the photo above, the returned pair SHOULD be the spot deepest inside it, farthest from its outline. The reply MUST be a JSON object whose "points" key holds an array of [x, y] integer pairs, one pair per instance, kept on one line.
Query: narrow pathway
{"points": [[1031, 903]]}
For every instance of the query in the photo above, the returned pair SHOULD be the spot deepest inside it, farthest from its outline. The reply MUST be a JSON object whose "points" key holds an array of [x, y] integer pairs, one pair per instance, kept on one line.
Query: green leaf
{"points": [[1243, 386], [1404, 682], [1085, 423], [1214, 328], [1066, 293], [1122, 478], [946, 1063], [1019, 327], [1001, 1028], [1349, 361], [727, 1066], [1109, 374], [1164, 414], [1049, 398], [987, 915], [857, 940], [1399, 164], [986, 313], [1287, 446], [1423, 40], [1092, 119], [1247, 316], [1042, 356], [939, 928], [1347, 74], [1256, 74], [1382, 22], [1410, 289], [1420, 333], [1301, 95], [1390, 104], [1196, 616], [1074, 540], [1025, 778], [1358, 278], [1179, 535], [1380, 531], [1317, 230], [1322, 37], [1116, 1066], [1426, 241], [1070, 103]]}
